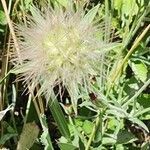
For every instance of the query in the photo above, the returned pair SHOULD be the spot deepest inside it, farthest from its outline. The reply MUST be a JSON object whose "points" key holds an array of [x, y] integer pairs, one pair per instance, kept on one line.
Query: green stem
{"points": [[137, 42], [93, 133]]}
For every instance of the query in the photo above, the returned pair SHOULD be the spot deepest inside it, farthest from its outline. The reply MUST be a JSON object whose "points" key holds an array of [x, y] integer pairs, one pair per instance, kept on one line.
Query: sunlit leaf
{"points": [[140, 70], [67, 146], [89, 17], [108, 141], [3, 20], [87, 126]]}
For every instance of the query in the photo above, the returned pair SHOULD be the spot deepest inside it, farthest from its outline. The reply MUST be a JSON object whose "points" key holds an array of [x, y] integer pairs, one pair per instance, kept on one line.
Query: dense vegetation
{"points": [[75, 74]]}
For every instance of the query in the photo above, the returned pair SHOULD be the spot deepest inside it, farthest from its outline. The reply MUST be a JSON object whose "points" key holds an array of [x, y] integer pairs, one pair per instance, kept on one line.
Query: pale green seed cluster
{"points": [[60, 48]]}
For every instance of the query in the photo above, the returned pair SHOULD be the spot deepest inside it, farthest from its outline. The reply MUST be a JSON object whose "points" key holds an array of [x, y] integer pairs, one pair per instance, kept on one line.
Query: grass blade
{"points": [[59, 118]]}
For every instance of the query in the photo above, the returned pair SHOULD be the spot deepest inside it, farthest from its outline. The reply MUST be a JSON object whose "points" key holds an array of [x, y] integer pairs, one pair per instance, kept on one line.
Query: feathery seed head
{"points": [[59, 48]]}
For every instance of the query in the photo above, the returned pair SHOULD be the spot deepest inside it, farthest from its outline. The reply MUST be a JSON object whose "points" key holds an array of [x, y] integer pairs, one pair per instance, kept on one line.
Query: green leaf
{"points": [[126, 8], [87, 127], [117, 4], [129, 7], [140, 123], [89, 17], [140, 70], [6, 137], [145, 146], [63, 2], [99, 129], [140, 112], [28, 136], [9, 133], [78, 122], [3, 20], [120, 147], [117, 111], [63, 140], [67, 146], [144, 112], [45, 137], [59, 118], [112, 123], [125, 137], [27, 4], [108, 141], [144, 100]]}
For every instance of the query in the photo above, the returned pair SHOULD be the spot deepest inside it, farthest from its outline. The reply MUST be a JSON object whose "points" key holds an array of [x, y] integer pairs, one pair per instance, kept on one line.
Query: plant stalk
{"points": [[93, 133]]}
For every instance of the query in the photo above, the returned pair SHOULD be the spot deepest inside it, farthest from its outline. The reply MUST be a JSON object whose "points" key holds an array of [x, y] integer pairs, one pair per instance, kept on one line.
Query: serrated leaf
{"points": [[140, 70]]}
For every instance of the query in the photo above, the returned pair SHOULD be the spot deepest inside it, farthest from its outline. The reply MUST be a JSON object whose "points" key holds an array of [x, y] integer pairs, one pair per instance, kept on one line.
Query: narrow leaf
{"points": [[140, 123], [89, 17], [59, 118]]}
